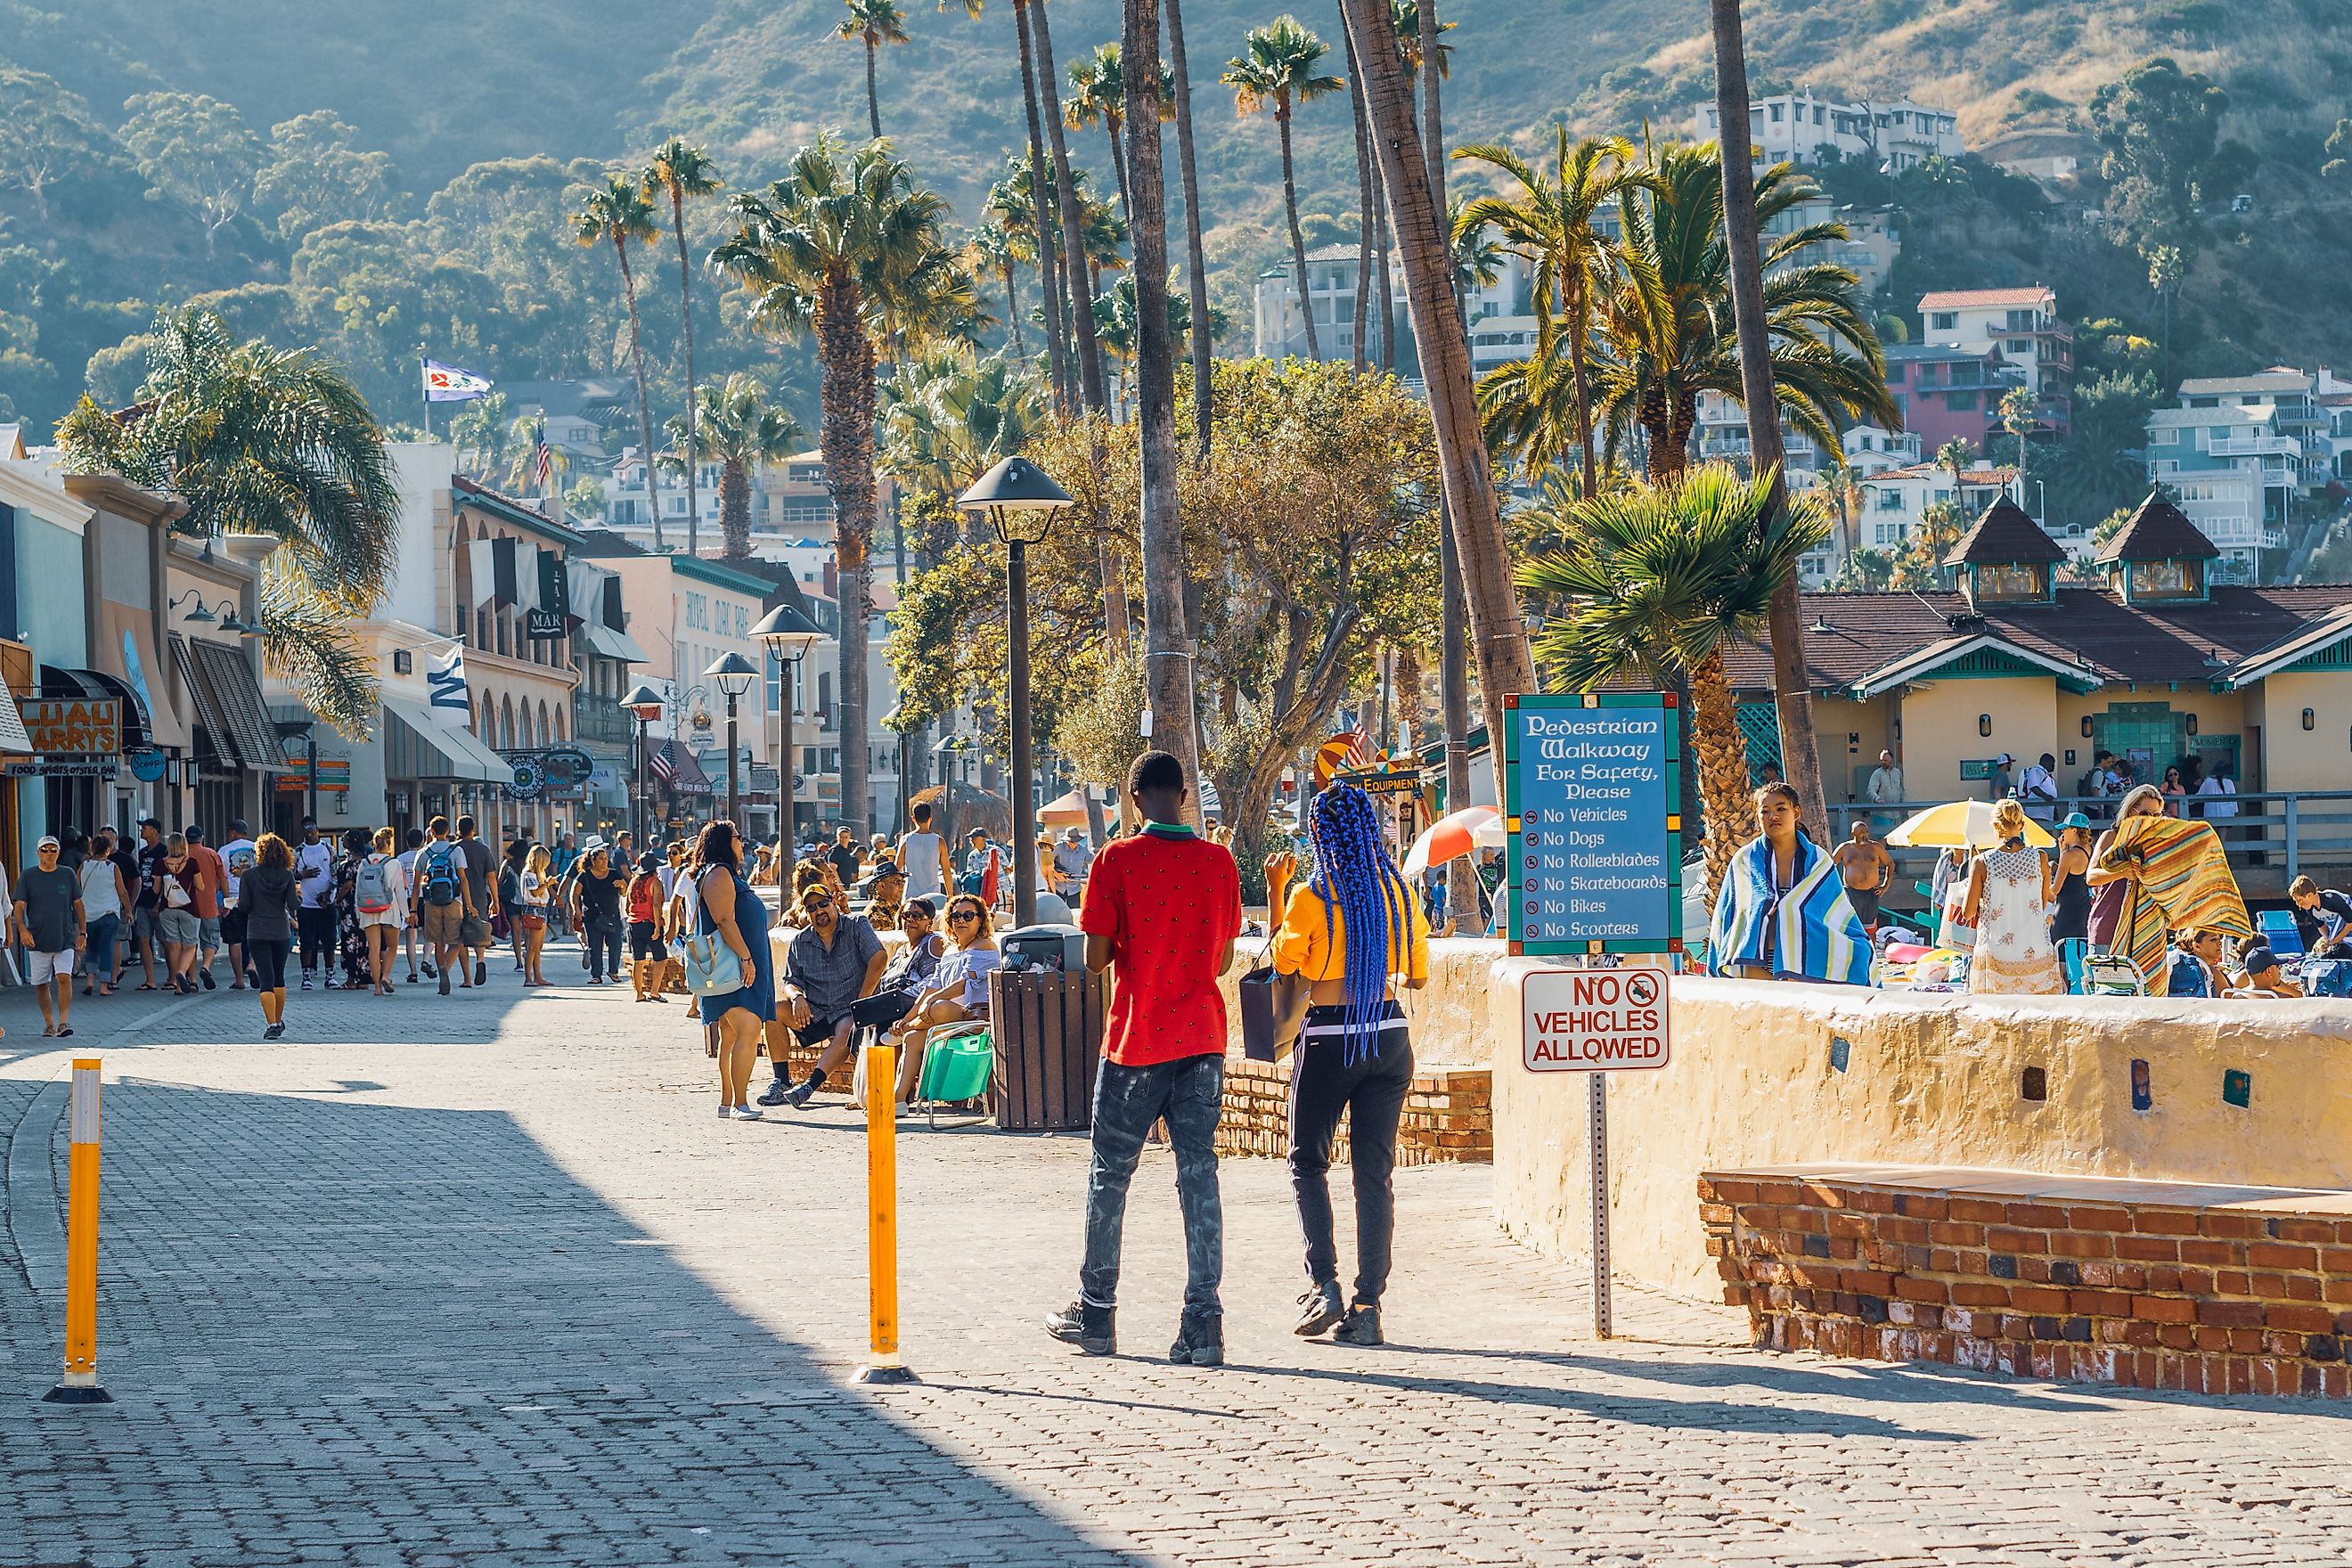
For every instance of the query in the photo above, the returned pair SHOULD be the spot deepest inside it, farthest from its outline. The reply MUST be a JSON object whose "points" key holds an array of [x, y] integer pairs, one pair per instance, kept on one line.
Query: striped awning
{"points": [[229, 702], [417, 746]]}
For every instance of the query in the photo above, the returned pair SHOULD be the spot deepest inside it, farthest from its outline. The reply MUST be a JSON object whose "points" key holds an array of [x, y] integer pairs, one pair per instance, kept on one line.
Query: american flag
{"points": [[661, 764], [546, 462]]}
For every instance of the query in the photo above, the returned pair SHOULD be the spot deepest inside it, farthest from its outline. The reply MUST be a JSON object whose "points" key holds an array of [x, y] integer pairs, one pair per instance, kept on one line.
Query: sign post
{"points": [[1594, 874]]}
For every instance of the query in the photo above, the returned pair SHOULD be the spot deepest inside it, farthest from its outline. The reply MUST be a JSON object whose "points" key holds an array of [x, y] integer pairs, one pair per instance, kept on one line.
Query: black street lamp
{"points": [[1020, 498], [645, 705], [788, 634], [733, 675]]}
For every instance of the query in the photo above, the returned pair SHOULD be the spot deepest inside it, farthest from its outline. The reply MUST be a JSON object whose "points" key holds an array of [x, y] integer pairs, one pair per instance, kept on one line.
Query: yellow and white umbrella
{"points": [[1956, 823]]}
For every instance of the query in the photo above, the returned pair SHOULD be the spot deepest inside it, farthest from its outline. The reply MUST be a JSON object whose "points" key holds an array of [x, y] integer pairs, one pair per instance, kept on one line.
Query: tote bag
{"points": [[1273, 1009], [711, 967]]}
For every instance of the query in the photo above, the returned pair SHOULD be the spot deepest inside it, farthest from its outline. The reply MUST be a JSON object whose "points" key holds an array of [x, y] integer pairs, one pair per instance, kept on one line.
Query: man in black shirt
{"points": [[844, 857], [146, 930], [482, 888]]}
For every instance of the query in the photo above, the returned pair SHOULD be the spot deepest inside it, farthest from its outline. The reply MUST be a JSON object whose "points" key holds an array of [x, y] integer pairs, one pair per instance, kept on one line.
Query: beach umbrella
{"points": [[1067, 810], [1956, 823], [1453, 836]]}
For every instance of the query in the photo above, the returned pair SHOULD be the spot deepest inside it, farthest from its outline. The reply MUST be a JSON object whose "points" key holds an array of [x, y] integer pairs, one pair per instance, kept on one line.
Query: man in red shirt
{"points": [[1162, 910], [207, 908]]}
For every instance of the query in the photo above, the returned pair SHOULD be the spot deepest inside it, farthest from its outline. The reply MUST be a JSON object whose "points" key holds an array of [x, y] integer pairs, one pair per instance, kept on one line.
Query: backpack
{"points": [[509, 885], [440, 866], [372, 889]]}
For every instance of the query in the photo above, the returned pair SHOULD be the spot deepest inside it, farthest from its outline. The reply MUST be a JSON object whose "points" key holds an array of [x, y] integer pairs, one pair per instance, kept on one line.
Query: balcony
{"points": [[2256, 446], [599, 721]]}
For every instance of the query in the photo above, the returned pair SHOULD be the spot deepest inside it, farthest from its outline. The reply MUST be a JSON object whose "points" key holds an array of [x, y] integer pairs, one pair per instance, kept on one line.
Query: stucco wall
{"points": [[2317, 758], [1940, 728], [1930, 1079]]}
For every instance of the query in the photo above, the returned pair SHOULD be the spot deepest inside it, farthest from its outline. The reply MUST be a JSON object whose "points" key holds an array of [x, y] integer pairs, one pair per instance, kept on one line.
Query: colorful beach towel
{"points": [[1814, 932], [2185, 882]]}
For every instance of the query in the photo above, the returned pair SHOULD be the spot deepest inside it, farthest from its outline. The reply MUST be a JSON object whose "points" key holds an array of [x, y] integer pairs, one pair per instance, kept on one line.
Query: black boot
{"points": [[1199, 1340], [1362, 1326], [1318, 1310], [1094, 1330]]}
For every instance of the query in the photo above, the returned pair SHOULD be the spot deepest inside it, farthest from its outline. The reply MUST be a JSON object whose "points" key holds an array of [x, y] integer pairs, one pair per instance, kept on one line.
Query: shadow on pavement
{"points": [[350, 1331]]}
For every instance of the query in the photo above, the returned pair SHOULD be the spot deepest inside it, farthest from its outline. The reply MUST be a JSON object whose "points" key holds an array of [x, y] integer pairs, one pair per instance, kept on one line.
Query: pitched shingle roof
{"points": [[1959, 299], [2157, 532], [2005, 535]]}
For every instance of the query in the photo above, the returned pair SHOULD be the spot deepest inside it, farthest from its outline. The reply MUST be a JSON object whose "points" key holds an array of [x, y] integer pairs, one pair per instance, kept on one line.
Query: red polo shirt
{"points": [[207, 900], [1170, 901]]}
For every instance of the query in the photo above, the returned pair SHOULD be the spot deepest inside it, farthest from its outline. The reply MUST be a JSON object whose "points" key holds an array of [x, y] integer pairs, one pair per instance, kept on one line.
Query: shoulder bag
{"points": [[1273, 1008], [712, 969]]}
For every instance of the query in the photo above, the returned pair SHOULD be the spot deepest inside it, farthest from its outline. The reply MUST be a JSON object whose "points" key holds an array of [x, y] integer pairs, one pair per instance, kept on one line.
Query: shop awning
{"points": [[611, 644], [97, 686], [676, 769], [229, 702], [418, 746]]}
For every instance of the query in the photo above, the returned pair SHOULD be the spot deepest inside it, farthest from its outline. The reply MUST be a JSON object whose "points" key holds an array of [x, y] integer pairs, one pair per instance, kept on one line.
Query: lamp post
{"points": [[645, 705], [788, 635], [1020, 498], [733, 675]]}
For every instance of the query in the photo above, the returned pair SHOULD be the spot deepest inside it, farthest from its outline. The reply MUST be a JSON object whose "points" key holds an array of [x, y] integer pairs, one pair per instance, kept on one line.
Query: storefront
{"points": [[433, 768]]}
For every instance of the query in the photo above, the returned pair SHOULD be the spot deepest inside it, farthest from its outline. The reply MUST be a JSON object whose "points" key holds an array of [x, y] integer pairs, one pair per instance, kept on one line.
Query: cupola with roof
{"points": [[2157, 556], [2006, 558]]}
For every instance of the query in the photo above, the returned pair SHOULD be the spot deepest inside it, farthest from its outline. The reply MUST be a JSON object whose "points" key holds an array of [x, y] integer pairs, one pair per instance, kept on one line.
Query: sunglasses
{"points": [[815, 904], [958, 916], [914, 917]]}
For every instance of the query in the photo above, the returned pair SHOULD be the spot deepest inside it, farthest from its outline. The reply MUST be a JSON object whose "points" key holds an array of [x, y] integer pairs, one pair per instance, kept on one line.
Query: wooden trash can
{"points": [[1048, 1029]]}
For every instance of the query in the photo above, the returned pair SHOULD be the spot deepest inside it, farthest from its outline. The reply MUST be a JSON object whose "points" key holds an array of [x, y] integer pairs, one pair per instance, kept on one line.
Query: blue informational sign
{"points": [[1593, 784]]}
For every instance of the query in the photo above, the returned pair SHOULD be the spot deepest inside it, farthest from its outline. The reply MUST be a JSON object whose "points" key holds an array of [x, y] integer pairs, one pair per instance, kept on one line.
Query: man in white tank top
{"points": [[923, 857]]}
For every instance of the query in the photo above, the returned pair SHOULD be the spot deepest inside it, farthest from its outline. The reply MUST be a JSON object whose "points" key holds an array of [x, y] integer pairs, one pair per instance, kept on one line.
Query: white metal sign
{"points": [[1594, 1020]]}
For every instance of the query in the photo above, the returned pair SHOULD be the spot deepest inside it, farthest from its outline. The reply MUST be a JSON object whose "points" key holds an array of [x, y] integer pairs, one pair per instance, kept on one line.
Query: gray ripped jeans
{"points": [[1190, 1092]]}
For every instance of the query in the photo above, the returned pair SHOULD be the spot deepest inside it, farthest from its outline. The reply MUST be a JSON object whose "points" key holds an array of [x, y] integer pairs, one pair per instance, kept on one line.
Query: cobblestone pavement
{"points": [[483, 1281]]}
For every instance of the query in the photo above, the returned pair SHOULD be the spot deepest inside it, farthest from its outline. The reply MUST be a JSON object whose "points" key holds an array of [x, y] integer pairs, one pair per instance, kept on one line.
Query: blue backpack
{"points": [[439, 864]]}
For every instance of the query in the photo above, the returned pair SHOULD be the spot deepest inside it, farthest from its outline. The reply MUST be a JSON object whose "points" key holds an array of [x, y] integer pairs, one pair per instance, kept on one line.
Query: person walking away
{"points": [[1946, 889], [2004, 781], [408, 927], [379, 897], [597, 888], [563, 864], [1352, 930], [445, 902], [923, 855], [126, 861], [350, 936], [272, 901], [104, 902], [832, 963], [179, 881], [314, 870], [725, 905], [648, 924], [2038, 790], [237, 859], [214, 882], [47, 911], [535, 882], [146, 926], [956, 990], [507, 923], [2111, 888], [1885, 789], [2007, 906], [2069, 895], [480, 894], [1865, 867], [1162, 916]]}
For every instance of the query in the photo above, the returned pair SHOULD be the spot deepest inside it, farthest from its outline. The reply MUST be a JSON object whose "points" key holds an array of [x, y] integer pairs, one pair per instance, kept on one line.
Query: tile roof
{"points": [[1851, 636], [2005, 535], [1996, 476], [2261, 380], [2157, 530], [1952, 298]]}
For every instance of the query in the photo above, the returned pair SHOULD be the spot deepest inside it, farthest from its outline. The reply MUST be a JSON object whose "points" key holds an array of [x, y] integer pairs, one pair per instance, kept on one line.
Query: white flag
{"points": [[444, 683]]}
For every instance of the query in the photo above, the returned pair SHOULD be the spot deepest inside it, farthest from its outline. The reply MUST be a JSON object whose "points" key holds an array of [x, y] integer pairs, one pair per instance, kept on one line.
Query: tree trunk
{"points": [[1196, 262], [686, 321], [873, 103], [1049, 263], [1800, 753], [1722, 769], [1297, 236], [1580, 319], [1505, 667], [1115, 610], [1385, 296], [1168, 662], [846, 436], [1363, 206], [644, 409], [1074, 242], [1013, 308], [735, 509], [1119, 170], [1453, 700]]}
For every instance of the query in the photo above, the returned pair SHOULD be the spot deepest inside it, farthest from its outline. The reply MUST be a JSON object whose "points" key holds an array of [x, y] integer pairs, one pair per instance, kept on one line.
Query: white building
{"points": [[2024, 324], [792, 506], [1893, 499], [1280, 332], [1795, 127]]}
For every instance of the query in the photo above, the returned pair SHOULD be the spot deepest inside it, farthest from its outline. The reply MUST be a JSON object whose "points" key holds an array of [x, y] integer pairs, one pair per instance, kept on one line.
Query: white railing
{"points": [[2256, 446]]}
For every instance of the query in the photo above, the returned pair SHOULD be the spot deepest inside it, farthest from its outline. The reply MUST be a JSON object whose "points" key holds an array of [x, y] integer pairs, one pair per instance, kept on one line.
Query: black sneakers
{"points": [[1362, 1326], [1318, 1308], [1093, 1329], [799, 1097], [775, 1092], [1199, 1340]]}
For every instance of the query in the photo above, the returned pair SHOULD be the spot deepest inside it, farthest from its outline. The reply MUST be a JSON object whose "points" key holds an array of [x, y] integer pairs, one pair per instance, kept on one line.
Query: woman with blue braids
{"points": [[1352, 930]]}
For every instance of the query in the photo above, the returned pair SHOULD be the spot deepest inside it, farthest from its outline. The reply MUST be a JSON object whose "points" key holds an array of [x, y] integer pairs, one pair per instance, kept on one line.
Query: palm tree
{"points": [[873, 23], [1082, 303], [619, 212], [2017, 417], [1196, 263], [1955, 455], [260, 440], [678, 171], [1095, 100], [1667, 325], [1119, 321], [524, 437], [481, 433], [1276, 67], [996, 247], [739, 429], [1551, 223], [847, 248], [1661, 579], [949, 416]]}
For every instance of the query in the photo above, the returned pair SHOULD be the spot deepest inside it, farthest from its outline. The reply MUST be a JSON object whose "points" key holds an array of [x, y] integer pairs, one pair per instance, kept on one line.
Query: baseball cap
{"points": [[2075, 819], [146, 819], [48, 841], [2004, 757], [2253, 960]]}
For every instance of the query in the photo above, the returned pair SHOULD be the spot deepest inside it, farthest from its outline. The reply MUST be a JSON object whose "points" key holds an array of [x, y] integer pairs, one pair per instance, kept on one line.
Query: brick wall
{"points": [[2087, 1279], [1446, 1116]]}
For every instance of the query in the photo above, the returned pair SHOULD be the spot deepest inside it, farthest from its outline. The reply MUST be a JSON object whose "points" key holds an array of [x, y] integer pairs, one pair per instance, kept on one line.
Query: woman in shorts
{"points": [[379, 869], [176, 886], [648, 955], [536, 882]]}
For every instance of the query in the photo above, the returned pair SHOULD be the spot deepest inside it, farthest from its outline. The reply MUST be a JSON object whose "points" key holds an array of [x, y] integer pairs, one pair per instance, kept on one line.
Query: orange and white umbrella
{"points": [[1453, 836]]}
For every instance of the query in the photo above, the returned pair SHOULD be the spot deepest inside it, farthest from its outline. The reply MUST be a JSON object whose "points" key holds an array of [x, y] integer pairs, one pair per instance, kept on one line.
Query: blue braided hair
{"points": [[1354, 875]]}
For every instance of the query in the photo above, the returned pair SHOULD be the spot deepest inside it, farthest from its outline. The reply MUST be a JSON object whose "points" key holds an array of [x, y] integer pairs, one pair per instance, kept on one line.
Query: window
{"points": [[1776, 114], [1960, 402], [1943, 321], [2164, 579], [2021, 321], [1893, 532], [2022, 346], [2167, 438], [2012, 581], [1817, 115], [1890, 500]]}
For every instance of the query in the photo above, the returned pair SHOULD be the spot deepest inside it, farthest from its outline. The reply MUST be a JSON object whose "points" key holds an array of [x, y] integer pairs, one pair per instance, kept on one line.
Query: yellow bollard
{"points": [[882, 1217], [80, 1383]]}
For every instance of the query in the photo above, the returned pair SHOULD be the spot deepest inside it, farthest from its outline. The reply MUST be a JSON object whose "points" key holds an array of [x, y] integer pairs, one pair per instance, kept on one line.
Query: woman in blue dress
{"points": [[725, 903]]}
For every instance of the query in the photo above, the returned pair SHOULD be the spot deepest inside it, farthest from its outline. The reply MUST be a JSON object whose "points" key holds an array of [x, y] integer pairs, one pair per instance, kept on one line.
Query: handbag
{"points": [[712, 968], [1273, 1009], [882, 1009]]}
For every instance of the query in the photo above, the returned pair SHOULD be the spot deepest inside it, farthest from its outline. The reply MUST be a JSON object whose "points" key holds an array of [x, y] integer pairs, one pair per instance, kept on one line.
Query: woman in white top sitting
{"points": [[958, 990]]}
